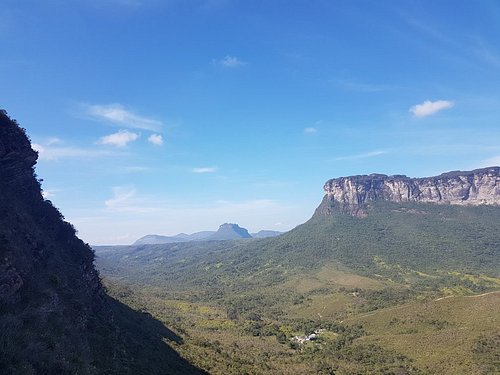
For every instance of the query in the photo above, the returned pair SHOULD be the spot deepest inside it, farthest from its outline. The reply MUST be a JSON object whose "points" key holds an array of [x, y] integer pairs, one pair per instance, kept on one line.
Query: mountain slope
{"points": [[55, 317], [371, 280], [394, 241]]}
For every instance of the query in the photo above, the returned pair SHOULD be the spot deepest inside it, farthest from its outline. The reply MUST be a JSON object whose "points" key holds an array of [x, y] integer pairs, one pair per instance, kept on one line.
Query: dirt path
{"points": [[474, 296], [387, 309], [406, 305]]}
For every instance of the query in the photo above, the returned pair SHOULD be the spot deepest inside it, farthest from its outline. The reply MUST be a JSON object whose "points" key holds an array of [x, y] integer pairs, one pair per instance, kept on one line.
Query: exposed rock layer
{"points": [[350, 194]]}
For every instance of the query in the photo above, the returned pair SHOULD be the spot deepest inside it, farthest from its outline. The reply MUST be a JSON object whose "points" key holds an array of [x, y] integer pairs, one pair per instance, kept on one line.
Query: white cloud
{"points": [[119, 139], [156, 139], [310, 130], [231, 62], [204, 170], [125, 199], [117, 114], [366, 155], [428, 107]]}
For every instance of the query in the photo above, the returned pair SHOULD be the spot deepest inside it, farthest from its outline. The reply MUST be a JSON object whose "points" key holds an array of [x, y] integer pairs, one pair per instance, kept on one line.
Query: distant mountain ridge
{"points": [[226, 231], [350, 194]]}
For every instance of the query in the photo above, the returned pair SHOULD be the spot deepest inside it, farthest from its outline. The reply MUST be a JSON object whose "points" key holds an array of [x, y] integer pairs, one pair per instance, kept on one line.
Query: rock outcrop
{"points": [[229, 231], [351, 194]]}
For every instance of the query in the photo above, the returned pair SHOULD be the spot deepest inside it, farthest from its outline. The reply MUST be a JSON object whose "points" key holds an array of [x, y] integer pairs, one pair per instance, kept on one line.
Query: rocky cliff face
{"points": [[351, 194]]}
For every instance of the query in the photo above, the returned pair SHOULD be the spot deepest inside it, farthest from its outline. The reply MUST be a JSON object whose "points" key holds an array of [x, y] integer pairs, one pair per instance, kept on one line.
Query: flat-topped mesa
{"points": [[350, 194]]}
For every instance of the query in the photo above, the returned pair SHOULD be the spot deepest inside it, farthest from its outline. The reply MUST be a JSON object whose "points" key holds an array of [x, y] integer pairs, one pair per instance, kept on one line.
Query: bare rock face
{"points": [[350, 194]]}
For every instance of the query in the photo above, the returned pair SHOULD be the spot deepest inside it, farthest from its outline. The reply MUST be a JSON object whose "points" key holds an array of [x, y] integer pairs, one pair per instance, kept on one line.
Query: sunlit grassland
{"points": [[439, 335]]}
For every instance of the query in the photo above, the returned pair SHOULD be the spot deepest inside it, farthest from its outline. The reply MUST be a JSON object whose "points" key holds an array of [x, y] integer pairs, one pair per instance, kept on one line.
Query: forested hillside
{"points": [[325, 276]]}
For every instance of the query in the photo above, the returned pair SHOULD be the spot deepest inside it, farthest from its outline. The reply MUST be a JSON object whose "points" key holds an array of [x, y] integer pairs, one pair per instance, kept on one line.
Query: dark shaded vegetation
{"points": [[55, 317], [144, 342]]}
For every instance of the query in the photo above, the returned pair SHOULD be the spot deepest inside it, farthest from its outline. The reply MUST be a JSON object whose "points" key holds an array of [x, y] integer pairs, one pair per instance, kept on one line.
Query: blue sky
{"points": [[176, 116]]}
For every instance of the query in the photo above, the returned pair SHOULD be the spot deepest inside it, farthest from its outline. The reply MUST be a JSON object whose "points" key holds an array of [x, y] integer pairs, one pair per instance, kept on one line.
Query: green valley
{"points": [[409, 288]]}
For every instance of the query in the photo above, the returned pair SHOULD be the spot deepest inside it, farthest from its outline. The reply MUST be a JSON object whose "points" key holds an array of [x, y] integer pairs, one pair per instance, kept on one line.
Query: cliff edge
{"points": [[351, 194]]}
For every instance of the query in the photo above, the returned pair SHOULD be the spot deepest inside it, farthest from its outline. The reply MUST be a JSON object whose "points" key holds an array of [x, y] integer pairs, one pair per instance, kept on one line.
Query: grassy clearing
{"points": [[439, 335]]}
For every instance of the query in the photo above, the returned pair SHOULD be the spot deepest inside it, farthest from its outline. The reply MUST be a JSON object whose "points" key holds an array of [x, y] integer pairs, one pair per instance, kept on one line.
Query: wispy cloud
{"points": [[310, 130], [128, 199], [230, 62], [118, 115], [53, 141], [128, 211], [125, 199], [254, 204], [476, 48], [119, 139], [121, 195], [48, 152], [366, 155], [486, 53], [428, 107], [363, 87], [204, 170], [135, 169], [156, 139]]}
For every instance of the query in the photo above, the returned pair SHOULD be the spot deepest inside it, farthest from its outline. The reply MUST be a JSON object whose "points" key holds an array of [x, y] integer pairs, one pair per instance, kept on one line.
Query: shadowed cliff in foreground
{"points": [[55, 316]]}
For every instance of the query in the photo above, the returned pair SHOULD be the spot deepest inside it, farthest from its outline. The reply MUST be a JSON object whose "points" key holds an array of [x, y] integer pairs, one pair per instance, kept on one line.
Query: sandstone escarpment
{"points": [[351, 194]]}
